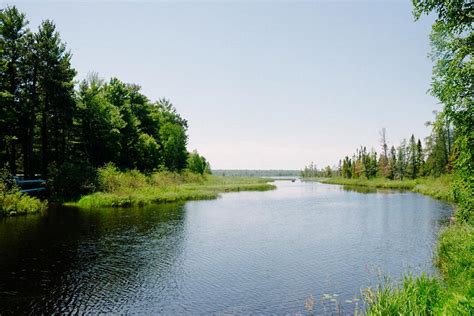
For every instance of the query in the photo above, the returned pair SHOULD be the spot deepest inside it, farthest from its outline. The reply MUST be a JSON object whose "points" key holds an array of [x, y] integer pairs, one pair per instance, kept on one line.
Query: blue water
{"points": [[244, 253]]}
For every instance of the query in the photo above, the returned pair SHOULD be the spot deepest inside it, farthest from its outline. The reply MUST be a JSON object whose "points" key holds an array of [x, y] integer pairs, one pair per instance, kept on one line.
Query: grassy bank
{"points": [[16, 203], [131, 188], [450, 293], [439, 188]]}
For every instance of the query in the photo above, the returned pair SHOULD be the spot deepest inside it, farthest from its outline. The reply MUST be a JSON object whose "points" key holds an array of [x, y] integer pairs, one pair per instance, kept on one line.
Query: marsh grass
{"points": [[439, 188], [420, 295], [132, 188]]}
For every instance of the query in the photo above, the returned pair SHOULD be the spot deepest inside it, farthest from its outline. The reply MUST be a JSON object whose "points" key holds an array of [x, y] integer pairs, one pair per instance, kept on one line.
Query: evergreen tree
{"points": [[392, 164], [56, 94], [412, 155], [13, 33], [420, 160], [401, 160]]}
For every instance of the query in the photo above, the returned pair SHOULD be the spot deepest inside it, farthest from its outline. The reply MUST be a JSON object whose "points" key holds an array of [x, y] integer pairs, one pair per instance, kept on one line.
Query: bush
{"points": [[111, 179], [16, 203], [197, 163], [71, 180], [7, 183]]}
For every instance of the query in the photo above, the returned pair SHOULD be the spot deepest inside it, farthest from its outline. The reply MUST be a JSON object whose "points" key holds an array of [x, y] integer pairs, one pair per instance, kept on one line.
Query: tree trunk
{"points": [[44, 139]]}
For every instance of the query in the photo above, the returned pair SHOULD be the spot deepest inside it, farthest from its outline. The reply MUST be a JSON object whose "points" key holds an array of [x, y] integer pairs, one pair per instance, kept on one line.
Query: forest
{"points": [[56, 128]]}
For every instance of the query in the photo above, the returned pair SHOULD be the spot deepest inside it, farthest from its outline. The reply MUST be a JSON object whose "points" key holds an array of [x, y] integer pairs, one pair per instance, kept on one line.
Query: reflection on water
{"points": [[247, 252], [359, 189], [367, 190]]}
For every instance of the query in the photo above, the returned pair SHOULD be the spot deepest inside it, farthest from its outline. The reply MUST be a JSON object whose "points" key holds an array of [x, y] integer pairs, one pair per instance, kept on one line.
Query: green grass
{"points": [[452, 293], [439, 188], [414, 296], [131, 188], [17, 203]]}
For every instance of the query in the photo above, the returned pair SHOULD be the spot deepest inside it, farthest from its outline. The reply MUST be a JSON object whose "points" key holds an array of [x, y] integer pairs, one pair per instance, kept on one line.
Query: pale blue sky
{"points": [[263, 84]]}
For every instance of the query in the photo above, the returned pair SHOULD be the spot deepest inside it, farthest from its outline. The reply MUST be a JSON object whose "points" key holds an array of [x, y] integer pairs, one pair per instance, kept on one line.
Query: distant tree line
{"points": [[256, 173], [312, 171], [409, 160], [50, 126]]}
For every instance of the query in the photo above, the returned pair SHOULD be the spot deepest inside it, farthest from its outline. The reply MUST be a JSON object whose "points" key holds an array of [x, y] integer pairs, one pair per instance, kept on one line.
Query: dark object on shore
{"points": [[30, 186]]}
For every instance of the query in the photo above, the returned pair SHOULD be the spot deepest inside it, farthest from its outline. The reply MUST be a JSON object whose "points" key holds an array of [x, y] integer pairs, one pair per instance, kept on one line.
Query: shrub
{"points": [[111, 179], [72, 180], [16, 203]]}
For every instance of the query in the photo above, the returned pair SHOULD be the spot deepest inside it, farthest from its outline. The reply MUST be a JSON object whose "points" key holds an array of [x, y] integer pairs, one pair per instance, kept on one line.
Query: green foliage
{"points": [[71, 180], [439, 188], [455, 258], [16, 203], [197, 163], [7, 182], [311, 171], [46, 123], [148, 153], [132, 188], [452, 42], [111, 179], [99, 123], [12, 201], [174, 142], [416, 296]]}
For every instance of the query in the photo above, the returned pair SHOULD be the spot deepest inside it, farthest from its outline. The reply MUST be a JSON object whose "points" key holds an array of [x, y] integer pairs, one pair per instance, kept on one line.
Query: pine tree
{"points": [[413, 167], [420, 158], [56, 94], [13, 34], [392, 164], [401, 160]]}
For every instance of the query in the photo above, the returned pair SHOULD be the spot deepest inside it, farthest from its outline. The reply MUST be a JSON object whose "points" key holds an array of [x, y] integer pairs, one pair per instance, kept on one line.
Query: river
{"points": [[244, 253]]}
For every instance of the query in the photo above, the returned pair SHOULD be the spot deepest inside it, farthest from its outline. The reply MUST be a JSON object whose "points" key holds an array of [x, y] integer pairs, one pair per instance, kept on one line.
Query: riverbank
{"points": [[450, 293], [131, 188], [438, 188]]}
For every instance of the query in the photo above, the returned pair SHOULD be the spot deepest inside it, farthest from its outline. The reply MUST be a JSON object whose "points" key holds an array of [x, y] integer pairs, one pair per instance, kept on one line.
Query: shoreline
{"points": [[203, 188], [438, 188]]}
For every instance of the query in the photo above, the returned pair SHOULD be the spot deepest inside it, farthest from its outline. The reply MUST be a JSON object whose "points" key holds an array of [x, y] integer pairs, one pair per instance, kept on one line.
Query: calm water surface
{"points": [[248, 252]]}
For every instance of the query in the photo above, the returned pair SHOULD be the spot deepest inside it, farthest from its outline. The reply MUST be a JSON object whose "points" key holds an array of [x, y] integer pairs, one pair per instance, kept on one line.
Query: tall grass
{"points": [[414, 296], [132, 188], [439, 188]]}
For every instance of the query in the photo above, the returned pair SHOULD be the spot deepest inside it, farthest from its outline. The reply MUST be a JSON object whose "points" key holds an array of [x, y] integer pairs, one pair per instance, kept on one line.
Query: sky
{"points": [[263, 84]]}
